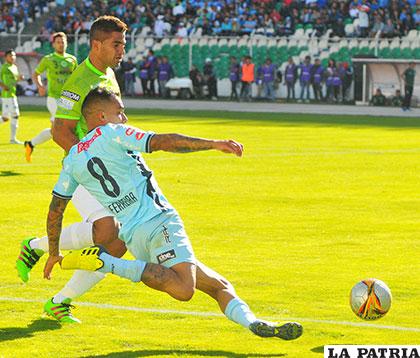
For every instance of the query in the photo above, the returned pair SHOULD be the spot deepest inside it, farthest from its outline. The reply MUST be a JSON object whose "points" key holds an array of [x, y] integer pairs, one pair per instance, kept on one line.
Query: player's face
{"points": [[60, 45], [11, 58], [114, 112], [112, 49]]}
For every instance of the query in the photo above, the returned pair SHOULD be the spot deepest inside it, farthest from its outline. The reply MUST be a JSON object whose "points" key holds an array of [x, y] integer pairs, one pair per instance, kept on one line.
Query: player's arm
{"points": [[54, 224], [63, 133], [3, 80], [178, 143], [36, 77]]}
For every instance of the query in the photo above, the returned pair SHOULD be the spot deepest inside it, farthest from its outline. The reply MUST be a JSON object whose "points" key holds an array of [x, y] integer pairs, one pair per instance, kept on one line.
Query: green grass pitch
{"points": [[316, 204]]}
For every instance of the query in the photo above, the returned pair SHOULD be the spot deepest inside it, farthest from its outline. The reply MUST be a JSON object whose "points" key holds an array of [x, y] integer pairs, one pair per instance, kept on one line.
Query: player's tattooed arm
{"points": [[178, 143], [63, 133], [54, 223]]}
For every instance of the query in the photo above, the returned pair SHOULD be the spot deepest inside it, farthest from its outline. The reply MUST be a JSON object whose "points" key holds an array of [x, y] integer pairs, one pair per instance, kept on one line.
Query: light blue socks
{"points": [[129, 269], [238, 311]]}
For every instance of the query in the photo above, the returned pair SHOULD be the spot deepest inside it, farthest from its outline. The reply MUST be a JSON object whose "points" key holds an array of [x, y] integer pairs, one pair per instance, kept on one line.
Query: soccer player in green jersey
{"points": [[409, 77], [9, 76], [107, 42], [58, 66]]}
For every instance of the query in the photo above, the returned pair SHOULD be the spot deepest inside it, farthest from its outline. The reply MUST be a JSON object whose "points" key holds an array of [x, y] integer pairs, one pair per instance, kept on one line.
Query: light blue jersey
{"points": [[130, 193]]}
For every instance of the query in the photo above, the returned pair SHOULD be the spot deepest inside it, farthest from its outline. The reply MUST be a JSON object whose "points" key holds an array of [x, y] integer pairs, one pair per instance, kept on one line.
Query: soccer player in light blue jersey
{"points": [[108, 163]]}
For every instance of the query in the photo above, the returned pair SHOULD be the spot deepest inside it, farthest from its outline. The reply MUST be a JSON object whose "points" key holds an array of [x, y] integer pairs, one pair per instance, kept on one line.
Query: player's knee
{"points": [[105, 231], [187, 293]]}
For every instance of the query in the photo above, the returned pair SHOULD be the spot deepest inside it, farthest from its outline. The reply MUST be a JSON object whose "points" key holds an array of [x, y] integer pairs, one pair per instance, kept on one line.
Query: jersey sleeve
{"points": [[69, 105], [42, 66], [131, 138], [66, 185]]}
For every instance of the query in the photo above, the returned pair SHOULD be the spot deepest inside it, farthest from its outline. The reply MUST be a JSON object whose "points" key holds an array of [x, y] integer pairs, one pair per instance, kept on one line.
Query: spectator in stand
{"points": [[363, 18], [337, 82], [378, 26], [388, 30], [247, 78], [165, 73], [347, 81], [159, 27], [305, 78], [268, 72], [378, 99], [129, 69], [234, 78], [320, 28], [197, 82], [151, 64], [144, 76], [210, 79], [397, 100], [409, 78], [338, 28], [317, 76], [291, 75], [416, 17], [329, 75], [182, 31]]}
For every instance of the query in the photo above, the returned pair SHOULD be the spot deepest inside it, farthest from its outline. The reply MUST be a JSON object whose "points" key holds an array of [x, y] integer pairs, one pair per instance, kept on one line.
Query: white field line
{"points": [[213, 314]]}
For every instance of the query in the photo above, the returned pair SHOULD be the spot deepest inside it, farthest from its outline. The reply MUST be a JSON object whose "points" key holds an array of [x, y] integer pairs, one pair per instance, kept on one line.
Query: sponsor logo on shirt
{"points": [[65, 103], [71, 95], [130, 131], [165, 256], [81, 146]]}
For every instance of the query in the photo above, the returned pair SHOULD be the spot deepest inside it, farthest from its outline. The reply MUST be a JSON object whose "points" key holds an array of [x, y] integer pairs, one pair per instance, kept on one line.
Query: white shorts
{"points": [[9, 107], [88, 207], [52, 107]]}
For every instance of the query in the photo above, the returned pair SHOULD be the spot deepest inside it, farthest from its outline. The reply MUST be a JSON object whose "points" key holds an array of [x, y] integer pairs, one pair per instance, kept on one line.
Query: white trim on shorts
{"points": [[88, 207], [9, 107]]}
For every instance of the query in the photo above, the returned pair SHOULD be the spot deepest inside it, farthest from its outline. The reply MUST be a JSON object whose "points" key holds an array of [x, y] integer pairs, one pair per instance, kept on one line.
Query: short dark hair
{"points": [[59, 34], [97, 95], [104, 25], [9, 52]]}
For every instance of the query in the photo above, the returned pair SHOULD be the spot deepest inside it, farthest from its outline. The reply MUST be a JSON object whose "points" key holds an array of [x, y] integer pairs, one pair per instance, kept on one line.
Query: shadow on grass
{"points": [[187, 353], [222, 117], [8, 173], [39, 325]]}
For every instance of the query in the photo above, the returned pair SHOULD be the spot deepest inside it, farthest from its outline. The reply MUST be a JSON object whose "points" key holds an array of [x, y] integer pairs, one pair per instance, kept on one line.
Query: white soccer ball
{"points": [[370, 299]]}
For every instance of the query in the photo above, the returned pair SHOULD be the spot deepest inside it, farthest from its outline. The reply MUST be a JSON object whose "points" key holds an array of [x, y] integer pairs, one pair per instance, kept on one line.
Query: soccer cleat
{"points": [[83, 259], [61, 311], [286, 331], [29, 148], [27, 259]]}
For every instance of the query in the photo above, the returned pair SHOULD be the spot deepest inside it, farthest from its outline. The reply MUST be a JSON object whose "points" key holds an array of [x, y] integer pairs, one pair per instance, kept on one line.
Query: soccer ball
{"points": [[370, 299]]}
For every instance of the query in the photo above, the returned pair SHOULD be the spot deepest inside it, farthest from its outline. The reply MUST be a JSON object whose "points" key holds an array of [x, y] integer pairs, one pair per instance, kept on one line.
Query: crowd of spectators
{"points": [[244, 17], [14, 14]]}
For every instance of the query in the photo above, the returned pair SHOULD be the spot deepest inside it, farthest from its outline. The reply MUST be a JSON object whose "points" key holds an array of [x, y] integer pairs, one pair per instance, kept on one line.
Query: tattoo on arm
{"points": [[179, 143], [54, 223]]}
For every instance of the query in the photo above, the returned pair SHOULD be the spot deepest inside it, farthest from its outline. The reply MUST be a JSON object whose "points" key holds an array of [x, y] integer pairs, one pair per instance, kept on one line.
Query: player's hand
{"points": [[230, 146], [42, 91], [51, 261]]}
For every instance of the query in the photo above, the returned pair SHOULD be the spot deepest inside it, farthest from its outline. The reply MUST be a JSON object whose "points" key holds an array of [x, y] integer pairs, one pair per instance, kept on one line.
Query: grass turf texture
{"points": [[316, 204]]}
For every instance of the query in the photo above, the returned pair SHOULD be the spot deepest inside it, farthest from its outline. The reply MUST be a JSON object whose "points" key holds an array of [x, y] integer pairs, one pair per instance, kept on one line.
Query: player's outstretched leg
{"points": [[27, 258], [177, 281], [74, 236], [238, 311]]}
